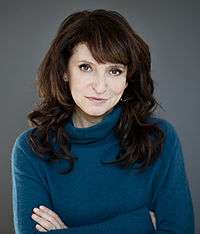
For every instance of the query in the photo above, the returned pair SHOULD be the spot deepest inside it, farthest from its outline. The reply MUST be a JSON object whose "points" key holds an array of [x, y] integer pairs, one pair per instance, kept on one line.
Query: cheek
{"points": [[117, 88], [77, 85]]}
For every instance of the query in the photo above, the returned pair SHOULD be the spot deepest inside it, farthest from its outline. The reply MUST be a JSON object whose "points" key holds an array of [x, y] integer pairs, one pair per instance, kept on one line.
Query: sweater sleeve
{"points": [[172, 201], [29, 191], [134, 222]]}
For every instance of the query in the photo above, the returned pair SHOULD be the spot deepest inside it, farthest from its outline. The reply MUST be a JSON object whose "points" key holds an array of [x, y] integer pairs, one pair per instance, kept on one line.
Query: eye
{"points": [[84, 66], [115, 71]]}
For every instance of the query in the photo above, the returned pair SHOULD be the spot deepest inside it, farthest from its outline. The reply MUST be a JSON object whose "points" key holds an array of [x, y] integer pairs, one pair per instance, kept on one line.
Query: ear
{"points": [[66, 72]]}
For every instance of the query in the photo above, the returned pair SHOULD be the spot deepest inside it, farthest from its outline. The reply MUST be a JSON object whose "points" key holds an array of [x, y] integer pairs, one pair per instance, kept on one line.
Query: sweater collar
{"points": [[96, 132]]}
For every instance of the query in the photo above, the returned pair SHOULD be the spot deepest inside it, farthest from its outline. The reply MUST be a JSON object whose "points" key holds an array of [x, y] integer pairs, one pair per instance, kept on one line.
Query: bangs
{"points": [[106, 41]]}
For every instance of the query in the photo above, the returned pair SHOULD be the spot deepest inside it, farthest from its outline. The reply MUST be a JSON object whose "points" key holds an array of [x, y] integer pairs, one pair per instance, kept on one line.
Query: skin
{"points": [[87, 78], [48, 220]]}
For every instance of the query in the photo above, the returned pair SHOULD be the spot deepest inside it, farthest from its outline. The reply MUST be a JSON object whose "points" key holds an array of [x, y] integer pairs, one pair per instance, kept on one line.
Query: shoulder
{"points": [[22, 140], [25, 162], [172, 147], [166, 126], [21, 149]]}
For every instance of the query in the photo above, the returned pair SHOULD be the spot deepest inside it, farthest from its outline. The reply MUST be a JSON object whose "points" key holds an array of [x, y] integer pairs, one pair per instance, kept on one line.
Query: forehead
{"points": [[81, 52]]}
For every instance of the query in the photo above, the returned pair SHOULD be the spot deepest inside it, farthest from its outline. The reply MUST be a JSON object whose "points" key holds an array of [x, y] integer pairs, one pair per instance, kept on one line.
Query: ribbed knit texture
{"points": [[98, 198]]}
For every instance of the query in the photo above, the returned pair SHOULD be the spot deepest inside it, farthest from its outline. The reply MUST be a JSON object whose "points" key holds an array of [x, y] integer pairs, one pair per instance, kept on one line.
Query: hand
{"points": [[47, 219], [153, 218]]}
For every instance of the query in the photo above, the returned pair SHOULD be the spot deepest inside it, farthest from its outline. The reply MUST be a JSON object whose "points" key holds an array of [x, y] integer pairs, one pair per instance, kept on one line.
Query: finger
{"points": [[52, 213], [44, 223], [40, 228], [152, 213], [153, 218], [48, 217]]}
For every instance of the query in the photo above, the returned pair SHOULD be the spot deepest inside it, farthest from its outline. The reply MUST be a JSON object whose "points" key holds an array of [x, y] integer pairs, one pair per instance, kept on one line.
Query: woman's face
{"points": [[87, 78]]}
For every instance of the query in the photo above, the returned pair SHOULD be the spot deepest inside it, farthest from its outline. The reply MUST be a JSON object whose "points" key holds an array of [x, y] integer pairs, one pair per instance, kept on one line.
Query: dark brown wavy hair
{"points": [[110, 38]]}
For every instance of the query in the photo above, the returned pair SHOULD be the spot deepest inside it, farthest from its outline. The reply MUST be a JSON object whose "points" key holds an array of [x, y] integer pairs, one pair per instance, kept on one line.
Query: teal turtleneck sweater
{"points": [[98, 198]]}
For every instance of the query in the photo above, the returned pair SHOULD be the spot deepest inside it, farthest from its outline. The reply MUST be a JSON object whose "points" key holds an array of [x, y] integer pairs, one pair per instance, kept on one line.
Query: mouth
{"points": [[96, 100]]}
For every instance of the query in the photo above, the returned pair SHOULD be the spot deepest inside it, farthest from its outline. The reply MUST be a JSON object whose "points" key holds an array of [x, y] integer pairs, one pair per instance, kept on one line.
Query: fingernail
{"points": [[42, 207]]}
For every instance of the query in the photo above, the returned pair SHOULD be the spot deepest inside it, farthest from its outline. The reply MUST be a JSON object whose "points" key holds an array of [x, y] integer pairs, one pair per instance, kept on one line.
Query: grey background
{"points": [[172, 30]]}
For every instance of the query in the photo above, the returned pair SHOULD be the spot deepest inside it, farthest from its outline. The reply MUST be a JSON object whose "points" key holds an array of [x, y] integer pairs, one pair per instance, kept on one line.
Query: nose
{"points": [[99, 84]]}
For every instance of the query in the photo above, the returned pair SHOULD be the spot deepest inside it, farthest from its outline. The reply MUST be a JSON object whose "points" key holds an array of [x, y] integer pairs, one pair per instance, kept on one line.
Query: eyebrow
{"points": [[115, 64]]}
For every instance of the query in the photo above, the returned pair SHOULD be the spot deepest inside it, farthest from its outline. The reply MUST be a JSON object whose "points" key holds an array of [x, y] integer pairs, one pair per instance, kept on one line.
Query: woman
{"points": [[125, 167]]}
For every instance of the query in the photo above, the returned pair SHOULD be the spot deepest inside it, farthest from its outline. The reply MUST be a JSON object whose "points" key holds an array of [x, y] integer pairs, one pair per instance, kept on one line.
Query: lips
{"points": [[98, 99]]}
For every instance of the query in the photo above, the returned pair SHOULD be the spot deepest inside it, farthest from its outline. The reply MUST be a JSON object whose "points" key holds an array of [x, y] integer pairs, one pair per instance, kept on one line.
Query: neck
{"points": [[97, 132], [83, 120]]}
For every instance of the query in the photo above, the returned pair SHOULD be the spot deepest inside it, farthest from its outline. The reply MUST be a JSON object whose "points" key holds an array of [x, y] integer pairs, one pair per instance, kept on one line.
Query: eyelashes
{"points": [[84, 67]]}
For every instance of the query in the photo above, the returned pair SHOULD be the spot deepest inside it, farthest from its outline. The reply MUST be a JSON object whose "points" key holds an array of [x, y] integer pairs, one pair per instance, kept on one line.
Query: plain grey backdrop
{"points": [[172, 31]]}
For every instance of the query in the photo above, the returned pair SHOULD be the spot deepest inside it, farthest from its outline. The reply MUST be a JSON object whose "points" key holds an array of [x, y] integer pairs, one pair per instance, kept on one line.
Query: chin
{"points": [[96, 110], [93, 112]]}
